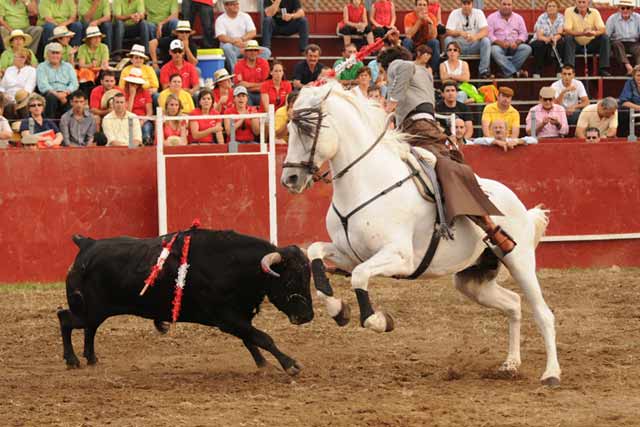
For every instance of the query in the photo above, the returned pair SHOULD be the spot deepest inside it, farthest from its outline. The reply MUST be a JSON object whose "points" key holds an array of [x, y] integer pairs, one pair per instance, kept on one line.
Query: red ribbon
{"points": [[177, 296]]}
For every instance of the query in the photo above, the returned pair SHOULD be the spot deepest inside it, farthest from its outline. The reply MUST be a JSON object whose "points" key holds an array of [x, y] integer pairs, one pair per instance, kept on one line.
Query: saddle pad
{"points": [[425, 155]]}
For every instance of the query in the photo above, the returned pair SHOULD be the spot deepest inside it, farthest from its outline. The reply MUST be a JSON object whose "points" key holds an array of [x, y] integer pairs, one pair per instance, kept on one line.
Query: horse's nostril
{"points": [[293, 179]]}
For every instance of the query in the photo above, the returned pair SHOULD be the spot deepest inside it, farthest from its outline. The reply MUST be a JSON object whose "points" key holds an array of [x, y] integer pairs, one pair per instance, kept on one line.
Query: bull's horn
{"points": [[268, 260]]}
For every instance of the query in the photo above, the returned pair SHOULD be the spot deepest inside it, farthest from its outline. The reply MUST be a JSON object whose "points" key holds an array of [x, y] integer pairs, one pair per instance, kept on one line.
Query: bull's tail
{"points": [[82, 242], [540, 219]]}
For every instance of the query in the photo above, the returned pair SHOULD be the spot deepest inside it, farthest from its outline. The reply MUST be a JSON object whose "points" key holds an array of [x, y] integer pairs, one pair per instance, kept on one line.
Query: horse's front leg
{"points": [[317, 252], [390, 261]]}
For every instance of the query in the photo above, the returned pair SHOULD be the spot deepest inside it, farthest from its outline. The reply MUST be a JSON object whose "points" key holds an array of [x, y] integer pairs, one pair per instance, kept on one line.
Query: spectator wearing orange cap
{"points": [[503, 110], [550, 118]]}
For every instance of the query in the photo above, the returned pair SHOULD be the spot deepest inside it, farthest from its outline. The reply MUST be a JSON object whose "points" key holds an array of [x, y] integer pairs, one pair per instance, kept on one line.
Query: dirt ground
{"points": [[438, 368]]}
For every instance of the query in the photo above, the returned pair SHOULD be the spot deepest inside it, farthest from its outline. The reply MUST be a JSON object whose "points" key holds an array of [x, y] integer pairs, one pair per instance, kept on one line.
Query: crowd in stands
{"points": [[68, 80]]}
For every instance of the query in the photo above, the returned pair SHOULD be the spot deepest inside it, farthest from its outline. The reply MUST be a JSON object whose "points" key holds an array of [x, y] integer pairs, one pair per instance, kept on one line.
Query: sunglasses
{"points": [[35, 105], [625, 8], [452, 50], [547, 99], [177, 51]]}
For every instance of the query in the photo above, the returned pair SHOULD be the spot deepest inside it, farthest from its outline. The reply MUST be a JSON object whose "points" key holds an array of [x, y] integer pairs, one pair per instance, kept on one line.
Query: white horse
{"points": [[390, 225]]}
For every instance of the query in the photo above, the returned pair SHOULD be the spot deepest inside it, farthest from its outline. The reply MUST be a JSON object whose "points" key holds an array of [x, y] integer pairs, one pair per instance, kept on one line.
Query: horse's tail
{"points": [[540, 219]]}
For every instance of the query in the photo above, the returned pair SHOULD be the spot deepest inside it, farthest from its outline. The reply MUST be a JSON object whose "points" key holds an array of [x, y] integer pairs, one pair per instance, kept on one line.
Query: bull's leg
{"points": [[89, 351], [69, 322], [261, 362]]}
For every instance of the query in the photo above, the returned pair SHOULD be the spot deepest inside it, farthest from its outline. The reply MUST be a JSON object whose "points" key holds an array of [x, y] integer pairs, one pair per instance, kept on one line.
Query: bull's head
{"points": [[290, 290]]}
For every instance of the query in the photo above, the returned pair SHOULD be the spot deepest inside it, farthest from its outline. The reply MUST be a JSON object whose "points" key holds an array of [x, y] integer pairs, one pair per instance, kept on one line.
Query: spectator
{"points": [[178, 65], [78, 125], [547, 35], [6, 133], [56, 79], [162, 17], [449, 104], [501, 110], [421, 27], [206, 131], [284, 17], [550, 118], [175, 89], [54, 13], [223, 91], [14, 15], [603, 116], [455, 68], [374, 94], [139, 102], [17, 40], [469, 27], [623, 30], [570, 93], [383, 17], [117, 123], [309, 69], [93, 54], [583, 26], [252, 71], [247, 130], [36, 123], [175, 131], [20, 76], [629, 100], [348, 75], [130, 23], [282, 118], [461, 134], [97, 13], [501, 139], [203, 9], [107, 83], [354, 22], [63, 36], [508, 34], [424, 54], [138, 58], [592, 135], [233, 30], [362, 83], [19, 108], [183, 33], [275, 90]]}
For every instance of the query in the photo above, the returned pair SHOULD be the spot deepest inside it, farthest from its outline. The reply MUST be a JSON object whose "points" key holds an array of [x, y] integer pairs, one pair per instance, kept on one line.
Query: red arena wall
{"points": [[48, 195]]}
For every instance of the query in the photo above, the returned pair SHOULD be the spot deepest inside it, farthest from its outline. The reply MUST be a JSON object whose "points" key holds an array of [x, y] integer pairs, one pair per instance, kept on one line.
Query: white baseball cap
{"points": [[176, 44]]}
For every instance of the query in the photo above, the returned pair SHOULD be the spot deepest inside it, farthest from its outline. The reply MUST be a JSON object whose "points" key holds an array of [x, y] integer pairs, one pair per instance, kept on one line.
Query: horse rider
{"points": [[411, 96]]}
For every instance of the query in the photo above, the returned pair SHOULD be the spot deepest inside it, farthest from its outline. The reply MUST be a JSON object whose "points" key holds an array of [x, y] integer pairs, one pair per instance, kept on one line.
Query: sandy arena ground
{"points": [[438, 368]]}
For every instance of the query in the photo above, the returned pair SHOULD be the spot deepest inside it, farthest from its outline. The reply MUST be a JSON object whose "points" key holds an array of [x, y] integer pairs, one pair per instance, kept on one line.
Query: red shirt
{"points": [[207, 2], [256, 74], [433, 9], [170, 131], [140, 101], [188, 72], [277, 97], [204, 124], [244, 132], [382, 13], [216, 98], [96, 96], [355, 13]]}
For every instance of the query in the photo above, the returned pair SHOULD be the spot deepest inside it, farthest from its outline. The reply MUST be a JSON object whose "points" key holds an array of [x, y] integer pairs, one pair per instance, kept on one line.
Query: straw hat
{"points": [[138, 50], [61, 31], [221, 75], [53, 47], [93, 31], [252, 45], [19, 33], [135, 76], [547, 92], [630, 3], [183, 27], [106, 97], [22, 98], [173, 140]]}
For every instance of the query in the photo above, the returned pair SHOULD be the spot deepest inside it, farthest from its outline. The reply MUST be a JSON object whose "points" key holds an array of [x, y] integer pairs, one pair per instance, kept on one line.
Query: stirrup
{"points": [[498, 247]]}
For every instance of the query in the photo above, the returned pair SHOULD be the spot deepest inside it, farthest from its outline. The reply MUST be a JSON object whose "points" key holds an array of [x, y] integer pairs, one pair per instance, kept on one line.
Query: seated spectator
{"points": [[461, 134], [592, 135], [500, 137], [138, 58], [374, 94], [583, 27], [116, 124], [107, 83], [139, 102], [354, 22], [383, 17], [129, 23], [424, 54], [449, 104], [275, 90], [246, 130], [469, 27], [629, 100], [550, 118], [92, 56], [455, 68], [308, 70], [78, 125], [175, 131], [252, 71], [501, 110], [570, 93], [284, 17], [348, 75], [63, 36], [54, 13], [206, 131], [223, 91], [56, 79], [363, 83], [421, 27], [547, 35], [183, 32], [162, 17], [282, 118], [623, 30], [19, 76], [36, 123], [6, 133], [602, 116], [177, 65], [14, 15], [234, 29], [175, 89], [508, 35], [19, 108], [17, 40], [97, 13], [203, 9]]}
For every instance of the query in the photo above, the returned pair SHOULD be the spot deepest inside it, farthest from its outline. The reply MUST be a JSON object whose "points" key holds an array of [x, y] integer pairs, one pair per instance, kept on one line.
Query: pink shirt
{"points": [[509, 30], [549, 130]]}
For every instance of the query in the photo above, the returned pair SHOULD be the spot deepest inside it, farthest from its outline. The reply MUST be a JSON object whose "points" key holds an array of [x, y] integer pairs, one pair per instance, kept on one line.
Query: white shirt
{"points": [[4, 127], [487, 140], [15, 79], [573, 97], [457, 21], [234, 27], [359, 93], [116, 129]]}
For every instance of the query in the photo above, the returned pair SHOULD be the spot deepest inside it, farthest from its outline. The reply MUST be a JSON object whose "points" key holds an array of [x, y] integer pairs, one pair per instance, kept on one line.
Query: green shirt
{"points": [[58, 12], [15, 15], [103, 9], [99, 55], [348, 73], [159, 10], [6, 59], [126, 7], [66, 52]]}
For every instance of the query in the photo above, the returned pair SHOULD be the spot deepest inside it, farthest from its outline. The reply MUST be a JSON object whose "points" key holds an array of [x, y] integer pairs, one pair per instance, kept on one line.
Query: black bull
{"points": [[228, 277]]}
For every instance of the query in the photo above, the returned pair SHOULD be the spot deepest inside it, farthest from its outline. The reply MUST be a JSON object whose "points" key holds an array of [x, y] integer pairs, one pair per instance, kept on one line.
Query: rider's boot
{"points": [[496, 235]]}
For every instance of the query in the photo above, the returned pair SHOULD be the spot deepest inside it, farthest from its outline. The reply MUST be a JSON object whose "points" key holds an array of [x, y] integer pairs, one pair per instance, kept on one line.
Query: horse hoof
{"points": [[551, 382], [379, 322], [294, 369], [344, 316], [510, 367], [390, 323]]}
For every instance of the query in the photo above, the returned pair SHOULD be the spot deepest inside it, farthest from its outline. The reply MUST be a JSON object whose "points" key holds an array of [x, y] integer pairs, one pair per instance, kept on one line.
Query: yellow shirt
{"points": [[589, 118], [148, 74], [281, 119], [185, 99], [573, 21], [511, 117]]}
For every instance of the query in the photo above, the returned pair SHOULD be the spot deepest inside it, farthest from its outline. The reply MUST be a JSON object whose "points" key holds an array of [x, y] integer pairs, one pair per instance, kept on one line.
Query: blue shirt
{"points": [[630, 92], [46, 125], [625, 30], [62, 78], [548, 29]]}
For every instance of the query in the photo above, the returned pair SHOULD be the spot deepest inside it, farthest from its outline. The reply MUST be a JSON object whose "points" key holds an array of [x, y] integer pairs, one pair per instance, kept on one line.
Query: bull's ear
{"points": [[268, 260]]}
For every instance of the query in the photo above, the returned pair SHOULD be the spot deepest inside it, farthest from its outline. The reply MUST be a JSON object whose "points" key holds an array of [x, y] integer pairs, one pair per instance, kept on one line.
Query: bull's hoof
{"points": [[72, 362], [379, 322], [294, 369], [92, 360], [344, 316], [161, 326], [551, 382]]}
